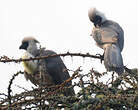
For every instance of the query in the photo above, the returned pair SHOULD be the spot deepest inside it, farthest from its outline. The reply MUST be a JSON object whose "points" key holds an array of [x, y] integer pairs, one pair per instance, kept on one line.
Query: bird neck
{"points": [[32, 49]]}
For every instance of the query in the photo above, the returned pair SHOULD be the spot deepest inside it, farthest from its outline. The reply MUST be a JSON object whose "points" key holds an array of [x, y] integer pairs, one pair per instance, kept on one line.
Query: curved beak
{"points": [[22, 47]]}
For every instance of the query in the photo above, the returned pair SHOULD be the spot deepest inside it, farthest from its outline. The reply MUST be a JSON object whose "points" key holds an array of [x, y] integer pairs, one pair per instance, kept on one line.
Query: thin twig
{"points": [[6, 59]]}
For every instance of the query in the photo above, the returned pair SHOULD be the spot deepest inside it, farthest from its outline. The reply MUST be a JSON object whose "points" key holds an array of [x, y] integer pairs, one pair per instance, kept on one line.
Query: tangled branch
{"points": [[119, 92]]}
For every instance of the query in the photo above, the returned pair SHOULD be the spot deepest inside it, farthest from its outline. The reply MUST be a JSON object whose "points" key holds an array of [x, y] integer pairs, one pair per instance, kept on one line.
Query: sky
{"points": [[62, 26]]}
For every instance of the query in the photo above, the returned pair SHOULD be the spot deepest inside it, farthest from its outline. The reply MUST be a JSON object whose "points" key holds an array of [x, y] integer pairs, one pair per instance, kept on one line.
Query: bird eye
{"points": [[24, 45]]}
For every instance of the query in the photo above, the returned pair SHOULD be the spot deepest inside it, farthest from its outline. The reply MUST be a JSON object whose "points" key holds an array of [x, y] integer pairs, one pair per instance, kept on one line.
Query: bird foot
{"points": [[101, 57]]}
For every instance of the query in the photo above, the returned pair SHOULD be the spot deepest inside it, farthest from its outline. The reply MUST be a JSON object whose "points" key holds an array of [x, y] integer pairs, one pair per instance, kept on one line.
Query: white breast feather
{"points": [[29, 66]]}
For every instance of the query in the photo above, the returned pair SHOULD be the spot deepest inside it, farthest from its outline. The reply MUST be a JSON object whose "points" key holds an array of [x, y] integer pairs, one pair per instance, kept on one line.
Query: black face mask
{"points": [[24, 45], [97, 20]]}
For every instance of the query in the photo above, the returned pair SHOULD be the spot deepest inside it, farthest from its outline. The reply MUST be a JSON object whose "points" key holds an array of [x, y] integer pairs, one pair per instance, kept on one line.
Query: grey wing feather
{"points": [[56, 68], [58, 71], [116, 28], [105, 35], [113, 59]]}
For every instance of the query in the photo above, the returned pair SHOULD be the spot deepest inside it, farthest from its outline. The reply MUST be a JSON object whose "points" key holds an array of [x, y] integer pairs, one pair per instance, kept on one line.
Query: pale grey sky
{"points": [[62, 25]]}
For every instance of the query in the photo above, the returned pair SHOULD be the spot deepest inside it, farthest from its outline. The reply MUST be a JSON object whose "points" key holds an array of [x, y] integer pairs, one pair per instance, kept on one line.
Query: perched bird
{"points": [[49, 71], [110, 37]]}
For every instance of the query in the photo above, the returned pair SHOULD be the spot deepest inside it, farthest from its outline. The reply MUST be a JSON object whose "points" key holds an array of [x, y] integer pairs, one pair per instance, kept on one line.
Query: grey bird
{"points": [[45, 72], [110, 37]]}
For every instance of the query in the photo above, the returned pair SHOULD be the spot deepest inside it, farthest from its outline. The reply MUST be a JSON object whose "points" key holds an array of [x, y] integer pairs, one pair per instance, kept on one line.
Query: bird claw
{"points": [[101, 57]]}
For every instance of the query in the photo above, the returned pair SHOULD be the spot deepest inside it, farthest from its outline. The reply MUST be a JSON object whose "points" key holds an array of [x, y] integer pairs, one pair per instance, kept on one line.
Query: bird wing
{"points": [[58, 71], [104, 35], [56, 68]]}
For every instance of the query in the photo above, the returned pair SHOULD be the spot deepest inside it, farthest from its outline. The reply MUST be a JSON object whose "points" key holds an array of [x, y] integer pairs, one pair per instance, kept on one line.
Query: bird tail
{"points": [[113, 59]]}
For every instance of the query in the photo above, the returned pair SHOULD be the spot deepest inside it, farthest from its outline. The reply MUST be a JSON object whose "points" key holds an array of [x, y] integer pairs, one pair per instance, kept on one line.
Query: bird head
{"points": [[96, 17], [29, 44]]}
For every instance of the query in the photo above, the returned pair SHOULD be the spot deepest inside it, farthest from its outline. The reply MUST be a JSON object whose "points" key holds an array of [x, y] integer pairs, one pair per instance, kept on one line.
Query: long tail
{"points": [[113, 60]]}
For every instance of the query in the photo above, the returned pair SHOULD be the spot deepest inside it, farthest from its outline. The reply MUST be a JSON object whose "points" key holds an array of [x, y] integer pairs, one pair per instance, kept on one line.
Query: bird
{"points": [[44, 72], [109, 36]]}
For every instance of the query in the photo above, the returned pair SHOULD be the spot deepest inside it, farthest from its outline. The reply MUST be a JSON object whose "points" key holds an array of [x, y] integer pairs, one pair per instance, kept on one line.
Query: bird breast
{"points": [[29, 66]]}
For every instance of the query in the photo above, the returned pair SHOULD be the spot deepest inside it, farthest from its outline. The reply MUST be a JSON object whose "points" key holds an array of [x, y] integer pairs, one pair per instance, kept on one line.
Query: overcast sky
{"points": [[62, 25]]}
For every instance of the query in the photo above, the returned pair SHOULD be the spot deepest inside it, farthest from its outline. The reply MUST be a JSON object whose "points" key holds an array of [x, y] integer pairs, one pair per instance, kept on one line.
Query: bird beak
{"points": [[21, 47], [24, 46]]}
